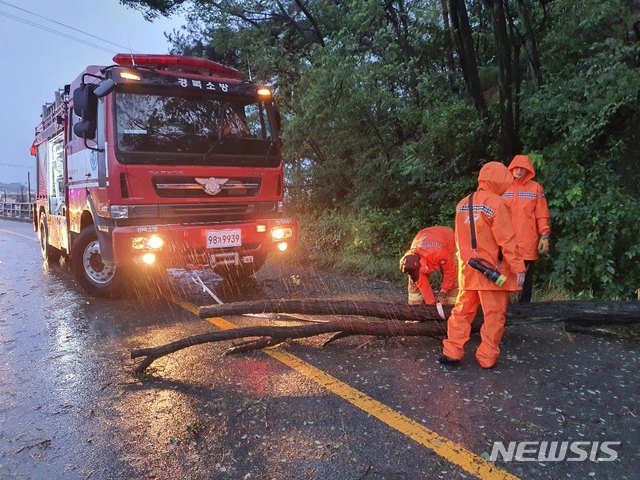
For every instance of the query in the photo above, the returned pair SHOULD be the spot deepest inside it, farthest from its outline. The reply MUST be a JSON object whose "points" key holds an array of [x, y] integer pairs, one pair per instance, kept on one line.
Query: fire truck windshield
{"points": [[198, 129]]}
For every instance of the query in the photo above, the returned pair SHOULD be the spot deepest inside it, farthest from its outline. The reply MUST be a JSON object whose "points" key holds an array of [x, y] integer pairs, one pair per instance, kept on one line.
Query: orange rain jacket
{"points": [[437, 251], [529, 212], [494, 232]]}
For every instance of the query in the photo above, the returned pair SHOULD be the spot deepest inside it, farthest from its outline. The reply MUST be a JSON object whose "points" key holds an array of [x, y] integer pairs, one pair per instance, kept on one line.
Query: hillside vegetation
{"points": [[390, 108]]}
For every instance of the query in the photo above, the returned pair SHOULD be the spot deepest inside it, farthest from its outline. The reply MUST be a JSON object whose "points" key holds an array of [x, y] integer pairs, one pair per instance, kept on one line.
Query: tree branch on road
{"points": [[575, 313]]}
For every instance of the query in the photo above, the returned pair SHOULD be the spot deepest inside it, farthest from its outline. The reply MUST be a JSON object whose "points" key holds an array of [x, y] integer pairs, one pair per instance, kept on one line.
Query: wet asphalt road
{"points": [[70, 407]]}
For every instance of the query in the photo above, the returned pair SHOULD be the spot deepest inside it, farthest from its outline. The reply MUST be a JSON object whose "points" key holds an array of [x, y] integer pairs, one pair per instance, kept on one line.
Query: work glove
{"points": [[441, 297], [543, 246], [520, 279], [410, 264]]}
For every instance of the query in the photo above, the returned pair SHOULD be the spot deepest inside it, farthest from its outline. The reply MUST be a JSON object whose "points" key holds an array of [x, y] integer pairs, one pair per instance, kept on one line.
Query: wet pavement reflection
{"points": [[70, 406]]}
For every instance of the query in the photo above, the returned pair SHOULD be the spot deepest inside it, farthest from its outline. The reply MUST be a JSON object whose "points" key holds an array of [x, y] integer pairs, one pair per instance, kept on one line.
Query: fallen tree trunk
{"points": [[581, 314], [272, 335], [585, 313]]}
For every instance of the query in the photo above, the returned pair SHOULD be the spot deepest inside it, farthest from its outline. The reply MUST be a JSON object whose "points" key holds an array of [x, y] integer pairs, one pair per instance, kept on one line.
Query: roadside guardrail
{"points": [[16, 211]]}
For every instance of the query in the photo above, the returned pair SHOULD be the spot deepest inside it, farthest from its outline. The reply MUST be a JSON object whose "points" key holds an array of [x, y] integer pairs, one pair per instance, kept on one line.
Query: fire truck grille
{"points": [[204, 211], [198, 187]]}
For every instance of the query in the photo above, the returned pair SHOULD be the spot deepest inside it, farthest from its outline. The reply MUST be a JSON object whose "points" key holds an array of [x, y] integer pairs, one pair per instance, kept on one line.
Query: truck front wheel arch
{"points": [[49, 253], [99, 278]]}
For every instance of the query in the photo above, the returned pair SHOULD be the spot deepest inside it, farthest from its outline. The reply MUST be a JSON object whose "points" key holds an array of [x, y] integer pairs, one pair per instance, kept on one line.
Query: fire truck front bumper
{"points": [[177, 245]]}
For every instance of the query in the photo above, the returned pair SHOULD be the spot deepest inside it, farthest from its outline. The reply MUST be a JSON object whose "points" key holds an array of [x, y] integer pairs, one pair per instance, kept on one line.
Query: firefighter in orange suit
{"points": [[432, 249], [492, 243], [530, 217]]}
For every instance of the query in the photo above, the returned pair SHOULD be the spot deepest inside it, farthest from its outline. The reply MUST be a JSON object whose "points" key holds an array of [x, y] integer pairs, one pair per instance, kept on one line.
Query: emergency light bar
{"points": [[193, 64]]}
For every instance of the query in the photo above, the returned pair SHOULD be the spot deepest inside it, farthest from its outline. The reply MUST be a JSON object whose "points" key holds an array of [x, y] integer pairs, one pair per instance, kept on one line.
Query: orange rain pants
{"points": [[494, 307], [495, 234]]}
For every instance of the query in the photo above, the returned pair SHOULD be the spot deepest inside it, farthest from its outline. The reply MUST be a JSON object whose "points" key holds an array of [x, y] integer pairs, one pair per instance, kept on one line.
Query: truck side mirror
{"points": [[85, 129], [85, 102], [85, 105]]}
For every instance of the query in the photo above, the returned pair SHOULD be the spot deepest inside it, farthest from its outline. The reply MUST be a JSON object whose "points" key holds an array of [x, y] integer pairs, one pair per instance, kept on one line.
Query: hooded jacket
{"points": [[528, 205], [437, 251], [494, 232]]}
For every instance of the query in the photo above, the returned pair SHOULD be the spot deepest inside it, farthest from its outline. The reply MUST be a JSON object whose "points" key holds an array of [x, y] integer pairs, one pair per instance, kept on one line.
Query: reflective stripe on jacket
{"points": [[528, 205], [494, 232], [437, 251]]}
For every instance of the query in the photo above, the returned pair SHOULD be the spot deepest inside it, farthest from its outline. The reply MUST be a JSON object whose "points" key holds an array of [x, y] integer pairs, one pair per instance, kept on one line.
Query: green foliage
{"points": [[381, 138], [449, 146], [374, 232], [584, 124], [597, 246], [370, 242]]}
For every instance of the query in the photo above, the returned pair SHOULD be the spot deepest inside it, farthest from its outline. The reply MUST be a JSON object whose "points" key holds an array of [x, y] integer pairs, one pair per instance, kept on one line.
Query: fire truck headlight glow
{"points": [[280, 233], [153, 242], [149, 258], [156, 242], [119, 211], [282, 246], [129, 76], [264, 92]]}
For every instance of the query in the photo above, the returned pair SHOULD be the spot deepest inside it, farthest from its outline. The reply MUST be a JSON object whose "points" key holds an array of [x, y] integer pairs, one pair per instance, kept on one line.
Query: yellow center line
{"points": [[447, 449]]}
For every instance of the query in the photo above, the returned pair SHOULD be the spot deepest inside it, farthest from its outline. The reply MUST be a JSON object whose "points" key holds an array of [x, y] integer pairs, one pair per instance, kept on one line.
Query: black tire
{"points": [[96, 277], [49, 253]]}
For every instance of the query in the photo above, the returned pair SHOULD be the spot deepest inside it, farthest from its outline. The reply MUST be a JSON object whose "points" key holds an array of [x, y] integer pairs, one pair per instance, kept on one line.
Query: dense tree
{"points": [[391, 106], [467, 52]]}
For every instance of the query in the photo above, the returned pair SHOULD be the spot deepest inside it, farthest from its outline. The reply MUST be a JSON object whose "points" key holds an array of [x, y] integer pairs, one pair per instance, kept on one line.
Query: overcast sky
{"points": [[35, 61]]}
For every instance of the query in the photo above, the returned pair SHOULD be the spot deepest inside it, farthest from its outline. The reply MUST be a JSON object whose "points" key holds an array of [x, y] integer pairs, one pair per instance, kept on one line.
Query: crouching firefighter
{"points": [[432, 249], [490, 267]]}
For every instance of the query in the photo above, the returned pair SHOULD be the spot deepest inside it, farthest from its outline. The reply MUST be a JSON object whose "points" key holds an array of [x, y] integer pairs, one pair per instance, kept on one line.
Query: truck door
{"points": [[56, 185]]}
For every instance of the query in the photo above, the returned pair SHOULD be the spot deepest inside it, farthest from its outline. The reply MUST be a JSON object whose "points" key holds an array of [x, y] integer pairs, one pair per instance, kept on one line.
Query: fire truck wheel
{"points": [[49, 253], [98, 278]]}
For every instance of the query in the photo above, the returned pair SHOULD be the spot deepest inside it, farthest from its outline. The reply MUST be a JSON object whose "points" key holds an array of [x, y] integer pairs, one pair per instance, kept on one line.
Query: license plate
{"points": [[224, 238]]}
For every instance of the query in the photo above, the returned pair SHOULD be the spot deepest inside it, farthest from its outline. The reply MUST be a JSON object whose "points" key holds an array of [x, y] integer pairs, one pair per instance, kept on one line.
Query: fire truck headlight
{"points": [[282, 246], [119, 211], [154, 242], [280, 233], [149, 258]]}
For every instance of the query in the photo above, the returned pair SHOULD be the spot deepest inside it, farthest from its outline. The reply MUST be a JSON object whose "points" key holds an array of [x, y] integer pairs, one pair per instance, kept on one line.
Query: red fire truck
{"points": [[160, 161]]}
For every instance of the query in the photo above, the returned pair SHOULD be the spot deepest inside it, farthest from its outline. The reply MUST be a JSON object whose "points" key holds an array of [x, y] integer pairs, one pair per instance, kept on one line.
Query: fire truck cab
{"points": [[160, 161]]}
